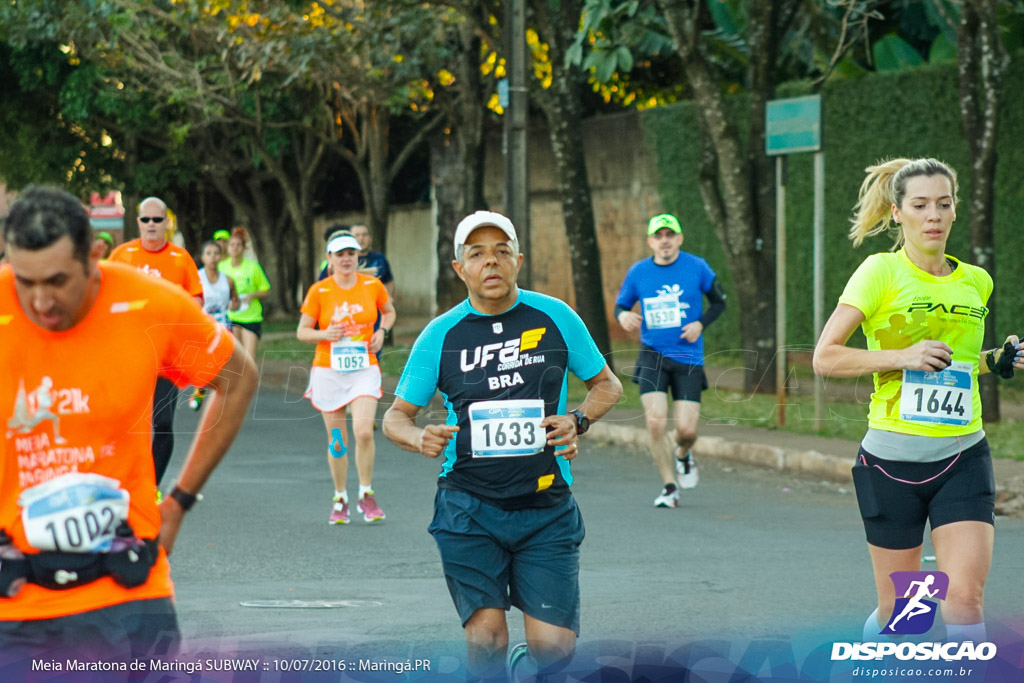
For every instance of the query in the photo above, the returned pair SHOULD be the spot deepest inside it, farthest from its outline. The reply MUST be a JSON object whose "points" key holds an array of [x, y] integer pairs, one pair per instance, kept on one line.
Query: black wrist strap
{"points": [[185, 499]]}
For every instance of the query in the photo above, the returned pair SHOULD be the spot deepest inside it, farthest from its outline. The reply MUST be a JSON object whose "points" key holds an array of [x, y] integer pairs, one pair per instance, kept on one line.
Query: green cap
{"points": [[106, 237], [222, 235], [664, 220]]}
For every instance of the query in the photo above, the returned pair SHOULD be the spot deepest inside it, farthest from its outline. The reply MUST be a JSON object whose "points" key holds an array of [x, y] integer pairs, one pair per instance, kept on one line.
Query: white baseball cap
{"points": [[342, 242], [483, 219]]}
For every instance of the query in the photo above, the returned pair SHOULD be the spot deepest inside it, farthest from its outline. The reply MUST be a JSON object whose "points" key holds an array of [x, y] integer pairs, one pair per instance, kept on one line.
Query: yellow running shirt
{"points": [[903, 305]]}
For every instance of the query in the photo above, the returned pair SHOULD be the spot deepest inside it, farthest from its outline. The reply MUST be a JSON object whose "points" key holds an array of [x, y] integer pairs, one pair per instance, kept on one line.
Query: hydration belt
{"points": [[60, 571]]}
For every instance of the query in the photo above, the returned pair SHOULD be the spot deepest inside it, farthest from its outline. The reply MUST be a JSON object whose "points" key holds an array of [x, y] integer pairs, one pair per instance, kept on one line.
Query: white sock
{"points": [[871, 629], [363, 490], [960, 633], [341, 495]]}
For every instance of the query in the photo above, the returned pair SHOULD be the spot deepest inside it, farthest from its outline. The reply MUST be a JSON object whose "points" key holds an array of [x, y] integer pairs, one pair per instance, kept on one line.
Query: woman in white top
{"points": [[219, 297]]}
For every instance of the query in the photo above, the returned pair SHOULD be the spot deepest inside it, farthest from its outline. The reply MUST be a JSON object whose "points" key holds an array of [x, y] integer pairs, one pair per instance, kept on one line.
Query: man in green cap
{"points": [[222, 237], [670, 287], [108, 239]]}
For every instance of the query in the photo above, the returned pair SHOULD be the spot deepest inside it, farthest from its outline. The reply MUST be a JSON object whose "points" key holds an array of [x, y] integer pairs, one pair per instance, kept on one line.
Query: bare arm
{"points": [[222, 418], [306, 332], [832, 358], [399, 426], [235, 301], [605, 389], [387, 322]]}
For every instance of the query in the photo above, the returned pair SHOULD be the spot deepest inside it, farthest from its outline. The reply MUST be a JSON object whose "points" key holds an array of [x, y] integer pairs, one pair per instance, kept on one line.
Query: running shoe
{"points": [[686, 471], [339, 511], [669, 497], [515, 656], [368, 506], [196, 402]]}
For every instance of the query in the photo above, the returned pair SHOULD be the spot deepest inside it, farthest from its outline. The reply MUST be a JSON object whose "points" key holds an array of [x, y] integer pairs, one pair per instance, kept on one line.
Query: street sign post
{"points": [[791, 126]]}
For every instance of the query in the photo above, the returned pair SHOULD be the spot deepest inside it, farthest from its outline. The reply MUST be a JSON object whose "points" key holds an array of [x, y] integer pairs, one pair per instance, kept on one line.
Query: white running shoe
{"points": [[687, 473], [667, 499]]}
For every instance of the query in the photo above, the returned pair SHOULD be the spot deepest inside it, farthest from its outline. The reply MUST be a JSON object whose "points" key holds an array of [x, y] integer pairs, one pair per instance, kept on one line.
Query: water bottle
{"points": [[126, 559], [12, 566]]}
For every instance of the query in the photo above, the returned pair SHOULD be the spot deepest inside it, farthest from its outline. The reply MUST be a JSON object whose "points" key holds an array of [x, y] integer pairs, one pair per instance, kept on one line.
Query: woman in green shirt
{"points": [[925, 459], [252, 286]]}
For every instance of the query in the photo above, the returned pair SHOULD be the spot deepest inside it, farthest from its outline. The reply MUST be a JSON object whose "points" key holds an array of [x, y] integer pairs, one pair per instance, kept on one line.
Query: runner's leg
{"points": [[655, 405], [963, 550]]}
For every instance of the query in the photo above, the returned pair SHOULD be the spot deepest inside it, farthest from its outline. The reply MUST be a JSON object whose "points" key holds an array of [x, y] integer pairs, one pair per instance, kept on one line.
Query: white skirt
{"points": [[330, 390]]}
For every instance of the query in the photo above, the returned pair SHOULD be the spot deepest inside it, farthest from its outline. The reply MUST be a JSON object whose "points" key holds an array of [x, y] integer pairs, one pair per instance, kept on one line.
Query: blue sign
{"points": [[503, 93], [793, 125]]}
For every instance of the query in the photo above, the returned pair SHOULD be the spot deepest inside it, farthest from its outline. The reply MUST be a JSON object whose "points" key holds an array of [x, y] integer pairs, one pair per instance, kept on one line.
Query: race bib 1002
{"points": [[505, 429], [662, 312], [74, 513], [349, 356], [942, 397]]}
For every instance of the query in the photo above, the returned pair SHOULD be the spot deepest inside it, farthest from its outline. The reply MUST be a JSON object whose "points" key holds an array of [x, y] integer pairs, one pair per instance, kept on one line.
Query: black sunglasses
{"points": [[155, 219]]}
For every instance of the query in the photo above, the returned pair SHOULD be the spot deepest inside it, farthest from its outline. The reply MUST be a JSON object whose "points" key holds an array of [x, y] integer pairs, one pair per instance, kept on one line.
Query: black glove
{"points": [[1004, 366]]}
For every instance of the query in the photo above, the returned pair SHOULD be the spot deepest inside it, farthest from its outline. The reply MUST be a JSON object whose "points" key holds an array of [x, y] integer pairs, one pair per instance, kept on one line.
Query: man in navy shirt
{"points": [[373, 262], [670, 288], [505, 521]]}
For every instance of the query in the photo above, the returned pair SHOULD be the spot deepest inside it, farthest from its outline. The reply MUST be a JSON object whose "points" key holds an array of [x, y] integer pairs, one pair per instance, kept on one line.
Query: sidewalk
{"points": [[804, 455]]}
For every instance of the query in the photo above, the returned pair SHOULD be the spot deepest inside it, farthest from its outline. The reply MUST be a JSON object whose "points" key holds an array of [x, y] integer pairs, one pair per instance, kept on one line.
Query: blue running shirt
{"points": [[521, 355], [670, 297]]}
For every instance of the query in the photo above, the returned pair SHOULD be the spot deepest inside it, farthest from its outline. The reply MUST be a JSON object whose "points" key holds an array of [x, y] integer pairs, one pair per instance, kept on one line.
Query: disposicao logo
{"points": [[914, 613]]}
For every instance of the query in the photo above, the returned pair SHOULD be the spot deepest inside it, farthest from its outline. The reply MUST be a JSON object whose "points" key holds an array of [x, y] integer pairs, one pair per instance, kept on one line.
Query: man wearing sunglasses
{"points": [[153, 254]]}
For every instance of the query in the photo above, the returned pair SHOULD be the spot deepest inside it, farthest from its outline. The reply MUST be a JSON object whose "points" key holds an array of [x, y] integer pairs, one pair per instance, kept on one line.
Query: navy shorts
{"points": [[141, 629], [496, 558], [655, 372], [256, 328], [941, 492]]}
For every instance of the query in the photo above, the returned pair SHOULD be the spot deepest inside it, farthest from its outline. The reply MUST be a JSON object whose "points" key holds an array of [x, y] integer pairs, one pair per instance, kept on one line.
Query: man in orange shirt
{"points": [[153, 254], [83, 543]]}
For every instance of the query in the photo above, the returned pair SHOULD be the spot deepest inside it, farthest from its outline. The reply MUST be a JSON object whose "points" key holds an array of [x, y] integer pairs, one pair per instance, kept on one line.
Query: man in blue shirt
{"points": [[670, 288], [505, 521]]}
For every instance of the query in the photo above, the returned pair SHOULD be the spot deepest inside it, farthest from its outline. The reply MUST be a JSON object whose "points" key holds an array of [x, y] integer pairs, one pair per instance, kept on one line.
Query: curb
{"points": [[291, 377], [810, 463]]}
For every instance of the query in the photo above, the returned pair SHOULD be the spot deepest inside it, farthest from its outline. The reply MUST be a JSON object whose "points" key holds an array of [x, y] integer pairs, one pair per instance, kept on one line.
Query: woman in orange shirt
{"points": [[346, 307]]}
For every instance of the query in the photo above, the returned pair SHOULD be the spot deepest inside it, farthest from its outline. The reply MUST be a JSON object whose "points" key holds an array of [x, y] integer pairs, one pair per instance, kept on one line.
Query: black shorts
{"points": [[255, 328], [942, 492], [496, 558], [140, 629], [655, 372]]}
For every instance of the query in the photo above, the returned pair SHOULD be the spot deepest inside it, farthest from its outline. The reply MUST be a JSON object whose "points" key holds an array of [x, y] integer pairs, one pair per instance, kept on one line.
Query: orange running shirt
{"points": [[358, 307], [79, 402], [170, 262]]}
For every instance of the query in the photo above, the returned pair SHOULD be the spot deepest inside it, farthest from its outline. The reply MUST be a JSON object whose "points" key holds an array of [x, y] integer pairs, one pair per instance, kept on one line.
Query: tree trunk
{"points": [[982, 63], [736, 178], [563, 111], [377, 204], [457, 167]]}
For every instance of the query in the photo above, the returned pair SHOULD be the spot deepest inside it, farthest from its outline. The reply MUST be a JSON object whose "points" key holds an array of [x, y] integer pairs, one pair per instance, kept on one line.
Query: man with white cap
{"points": [[670, 287], [505, 521]]}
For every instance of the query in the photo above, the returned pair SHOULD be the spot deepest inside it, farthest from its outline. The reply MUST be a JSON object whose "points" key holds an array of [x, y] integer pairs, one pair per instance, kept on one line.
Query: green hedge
{"points": [[909, 113]]}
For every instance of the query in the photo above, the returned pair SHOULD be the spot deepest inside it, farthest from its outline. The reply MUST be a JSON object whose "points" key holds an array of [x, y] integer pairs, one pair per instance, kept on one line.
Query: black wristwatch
{"points": [[185, 499], [582, 421]]}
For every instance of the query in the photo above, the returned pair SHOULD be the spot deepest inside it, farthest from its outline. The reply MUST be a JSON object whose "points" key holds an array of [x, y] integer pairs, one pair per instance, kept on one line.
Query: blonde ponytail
{"points": [[886, 185]]}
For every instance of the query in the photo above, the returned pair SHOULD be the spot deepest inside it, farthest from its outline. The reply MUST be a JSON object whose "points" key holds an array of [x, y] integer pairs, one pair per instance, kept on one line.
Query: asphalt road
{"points": [[752, 557]]}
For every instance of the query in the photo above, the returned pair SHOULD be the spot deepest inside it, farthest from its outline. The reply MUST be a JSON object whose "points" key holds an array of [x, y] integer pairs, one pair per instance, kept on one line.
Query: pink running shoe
{"points": [[368, 506], [339, 512]]}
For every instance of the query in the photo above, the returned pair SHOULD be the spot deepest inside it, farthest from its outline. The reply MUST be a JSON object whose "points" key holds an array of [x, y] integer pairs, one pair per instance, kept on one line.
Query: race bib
{"points": [[349, 356], [662, 312], [507, 429], [74, 513], [942, 397]]}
